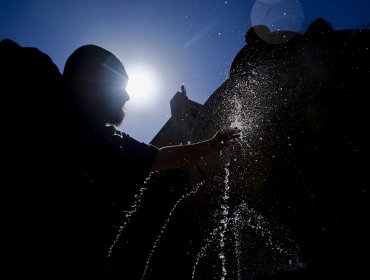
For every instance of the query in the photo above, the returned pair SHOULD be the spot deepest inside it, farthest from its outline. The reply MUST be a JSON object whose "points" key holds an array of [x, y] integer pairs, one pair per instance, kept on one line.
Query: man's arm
{"points": [[179, 156]]}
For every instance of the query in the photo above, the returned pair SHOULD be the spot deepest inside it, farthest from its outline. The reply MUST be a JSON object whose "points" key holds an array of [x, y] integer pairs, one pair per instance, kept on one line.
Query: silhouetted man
{"points": [[106, 157]]}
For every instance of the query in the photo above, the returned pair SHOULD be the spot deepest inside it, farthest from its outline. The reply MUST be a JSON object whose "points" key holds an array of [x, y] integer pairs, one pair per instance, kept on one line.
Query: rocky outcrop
{"points": [[301, 102]]}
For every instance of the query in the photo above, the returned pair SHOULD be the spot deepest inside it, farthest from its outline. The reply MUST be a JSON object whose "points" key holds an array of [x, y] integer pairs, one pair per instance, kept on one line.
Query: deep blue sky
{"points": [[188, 41]]}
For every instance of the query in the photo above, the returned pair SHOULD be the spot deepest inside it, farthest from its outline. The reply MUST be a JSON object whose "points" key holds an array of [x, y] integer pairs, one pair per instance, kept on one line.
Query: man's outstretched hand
{"points": [[224, 138], [182, 155]]}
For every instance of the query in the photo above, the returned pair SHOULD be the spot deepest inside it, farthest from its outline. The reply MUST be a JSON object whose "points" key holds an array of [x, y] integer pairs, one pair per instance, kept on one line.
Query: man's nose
{"points": [[126, 96]]}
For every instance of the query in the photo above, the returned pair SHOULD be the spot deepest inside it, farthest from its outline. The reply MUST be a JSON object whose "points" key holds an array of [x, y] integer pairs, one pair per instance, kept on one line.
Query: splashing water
{"points": [[203, 250], [164, 227], [238, 120], [224, 222], [259, 245], [237, 246], [221, 230], [256, 242], [133, 208]]}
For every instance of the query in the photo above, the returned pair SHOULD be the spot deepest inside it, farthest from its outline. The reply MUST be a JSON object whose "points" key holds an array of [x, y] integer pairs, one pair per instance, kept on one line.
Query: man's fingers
{"points": [[235, 135], [228, 136], [237, 129], [231, 132], [232, 139]]}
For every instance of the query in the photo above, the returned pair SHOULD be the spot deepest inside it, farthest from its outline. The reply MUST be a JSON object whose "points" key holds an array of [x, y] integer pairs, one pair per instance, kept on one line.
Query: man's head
{"points": [[98, 80]]}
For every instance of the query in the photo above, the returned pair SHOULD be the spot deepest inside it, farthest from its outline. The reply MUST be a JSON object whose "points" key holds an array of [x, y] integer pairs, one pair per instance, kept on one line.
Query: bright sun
{"points": [[143, 84]]}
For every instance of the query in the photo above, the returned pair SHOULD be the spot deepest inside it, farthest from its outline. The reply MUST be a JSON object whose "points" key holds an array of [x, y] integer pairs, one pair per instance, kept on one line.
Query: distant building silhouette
{"points": [[178, 128]]}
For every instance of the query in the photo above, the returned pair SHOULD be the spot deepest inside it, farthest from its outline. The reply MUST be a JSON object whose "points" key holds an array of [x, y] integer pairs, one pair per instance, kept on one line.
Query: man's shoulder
{"points": [[108, 131], [113, 136], [113, 141]]}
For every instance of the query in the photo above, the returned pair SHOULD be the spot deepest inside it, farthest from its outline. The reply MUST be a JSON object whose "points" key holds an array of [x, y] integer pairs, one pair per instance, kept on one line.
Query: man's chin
{"points": [[118, 119]]}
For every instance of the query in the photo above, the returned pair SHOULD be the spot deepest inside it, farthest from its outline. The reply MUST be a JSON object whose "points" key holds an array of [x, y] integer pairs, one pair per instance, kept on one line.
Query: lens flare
{"points": [[278, 15]]}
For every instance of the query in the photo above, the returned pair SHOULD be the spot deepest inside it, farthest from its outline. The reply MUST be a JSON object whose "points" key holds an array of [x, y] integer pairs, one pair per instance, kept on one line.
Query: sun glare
{"points": [[143, 84]]}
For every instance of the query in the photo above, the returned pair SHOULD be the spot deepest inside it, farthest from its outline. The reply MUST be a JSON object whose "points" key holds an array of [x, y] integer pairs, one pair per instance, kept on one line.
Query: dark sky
{"points": [[188, 41]]}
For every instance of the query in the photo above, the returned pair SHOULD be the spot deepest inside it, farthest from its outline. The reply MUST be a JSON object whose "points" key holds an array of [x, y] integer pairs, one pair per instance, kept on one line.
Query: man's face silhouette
{"points": [[112, 87], [104, 88], [98, 80]]}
